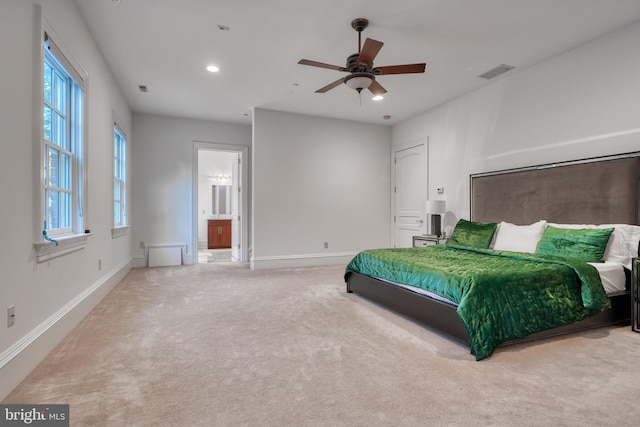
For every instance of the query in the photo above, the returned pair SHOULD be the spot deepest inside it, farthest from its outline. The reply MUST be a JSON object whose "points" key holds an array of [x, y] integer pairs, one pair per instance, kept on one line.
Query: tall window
{"points": [[119, 178], [62, 143]]}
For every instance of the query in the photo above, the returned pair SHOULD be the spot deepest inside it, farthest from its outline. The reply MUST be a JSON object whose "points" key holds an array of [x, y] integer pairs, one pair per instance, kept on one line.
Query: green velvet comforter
{"points": [[500, 295]]}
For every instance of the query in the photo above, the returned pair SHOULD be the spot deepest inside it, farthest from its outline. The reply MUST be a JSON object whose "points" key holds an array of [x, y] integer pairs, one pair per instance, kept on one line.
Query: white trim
{"points": [[243, 152], [38, 99], [306, 260], [80, 213], [47, 250], [22, 357], [125, 199]]}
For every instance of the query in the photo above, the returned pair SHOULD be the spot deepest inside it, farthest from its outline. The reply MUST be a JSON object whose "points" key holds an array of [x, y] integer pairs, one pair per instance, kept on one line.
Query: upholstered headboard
{"points": [[599, 191]]}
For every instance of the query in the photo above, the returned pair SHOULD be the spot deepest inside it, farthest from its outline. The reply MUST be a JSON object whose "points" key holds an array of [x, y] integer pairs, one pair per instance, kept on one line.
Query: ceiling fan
{"points": [[362, 73]]}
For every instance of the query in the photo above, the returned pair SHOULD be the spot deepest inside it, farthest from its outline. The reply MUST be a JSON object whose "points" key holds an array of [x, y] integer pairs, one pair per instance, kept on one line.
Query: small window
{"points": [[119, 178], [62, 143]]}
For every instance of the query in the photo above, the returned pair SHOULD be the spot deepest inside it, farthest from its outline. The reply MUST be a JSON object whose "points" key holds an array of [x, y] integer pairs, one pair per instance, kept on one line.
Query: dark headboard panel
{"points": [[601, 191]]}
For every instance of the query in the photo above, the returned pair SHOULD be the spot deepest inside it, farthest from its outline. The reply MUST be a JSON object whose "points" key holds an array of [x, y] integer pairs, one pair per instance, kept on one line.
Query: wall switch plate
{"points": [[326, 245], [11, 316]]}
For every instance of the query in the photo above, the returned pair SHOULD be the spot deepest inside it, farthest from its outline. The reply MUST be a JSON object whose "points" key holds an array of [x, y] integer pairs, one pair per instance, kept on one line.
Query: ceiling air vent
{"points": [[496, 71]]}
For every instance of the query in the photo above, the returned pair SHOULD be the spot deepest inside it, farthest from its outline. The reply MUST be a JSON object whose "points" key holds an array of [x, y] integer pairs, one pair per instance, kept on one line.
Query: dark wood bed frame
{"points": [[593, 191]]}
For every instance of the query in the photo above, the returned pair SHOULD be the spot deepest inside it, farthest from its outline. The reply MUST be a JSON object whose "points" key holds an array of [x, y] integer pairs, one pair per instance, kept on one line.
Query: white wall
{"points": [[51, 297], [163, 176], [318, 180], [583, 103]]}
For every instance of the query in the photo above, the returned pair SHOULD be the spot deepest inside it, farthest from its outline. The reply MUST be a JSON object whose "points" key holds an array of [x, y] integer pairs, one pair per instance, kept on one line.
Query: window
{"points": [[62, 143], [119, 177]]}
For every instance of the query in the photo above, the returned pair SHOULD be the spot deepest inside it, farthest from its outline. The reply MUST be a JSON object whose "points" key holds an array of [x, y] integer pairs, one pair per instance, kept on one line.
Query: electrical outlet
{"points": [[11, 316], [141, 245], [326, 245]]}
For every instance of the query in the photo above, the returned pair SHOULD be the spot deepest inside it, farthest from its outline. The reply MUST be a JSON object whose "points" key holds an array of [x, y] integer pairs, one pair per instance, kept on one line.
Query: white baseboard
{"points": [[296, 261], [21, 358]]}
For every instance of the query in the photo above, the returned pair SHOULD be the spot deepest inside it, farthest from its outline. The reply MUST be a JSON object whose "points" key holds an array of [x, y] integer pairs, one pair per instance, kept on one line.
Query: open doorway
{"points": [[219, 203]]}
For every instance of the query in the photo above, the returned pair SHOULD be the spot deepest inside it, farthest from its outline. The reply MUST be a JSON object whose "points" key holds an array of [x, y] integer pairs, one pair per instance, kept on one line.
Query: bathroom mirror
{"points": [[220, 196]]}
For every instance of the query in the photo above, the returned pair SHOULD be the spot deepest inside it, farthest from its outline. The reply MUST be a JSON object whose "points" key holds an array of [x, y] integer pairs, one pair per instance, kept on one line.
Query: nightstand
{"points": [[635, 295], [428, 239]]}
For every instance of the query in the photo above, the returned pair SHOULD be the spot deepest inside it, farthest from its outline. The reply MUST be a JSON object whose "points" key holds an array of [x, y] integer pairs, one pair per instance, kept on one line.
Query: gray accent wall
{"points": [[318, 180]]}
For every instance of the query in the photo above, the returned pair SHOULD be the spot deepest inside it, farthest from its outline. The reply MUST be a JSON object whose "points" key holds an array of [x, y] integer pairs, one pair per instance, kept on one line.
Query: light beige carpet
{"points": [[219, 345]]}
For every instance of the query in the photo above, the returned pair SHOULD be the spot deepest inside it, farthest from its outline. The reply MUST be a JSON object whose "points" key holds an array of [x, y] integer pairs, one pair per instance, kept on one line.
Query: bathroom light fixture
{"points": [[221, 179]]}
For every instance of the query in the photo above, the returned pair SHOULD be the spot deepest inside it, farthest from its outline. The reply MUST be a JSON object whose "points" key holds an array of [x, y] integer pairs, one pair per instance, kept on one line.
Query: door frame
{"points": [[243, 155], [394, 152]]}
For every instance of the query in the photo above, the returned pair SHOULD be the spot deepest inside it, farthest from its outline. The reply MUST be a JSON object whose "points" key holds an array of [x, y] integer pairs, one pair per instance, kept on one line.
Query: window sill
{"points": [[46, 251], [119, 231]]}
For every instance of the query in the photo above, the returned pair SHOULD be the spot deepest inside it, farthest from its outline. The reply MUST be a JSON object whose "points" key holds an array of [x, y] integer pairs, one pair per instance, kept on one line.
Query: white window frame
{"points": [[56, 242], [61, 141], [120, 217]]}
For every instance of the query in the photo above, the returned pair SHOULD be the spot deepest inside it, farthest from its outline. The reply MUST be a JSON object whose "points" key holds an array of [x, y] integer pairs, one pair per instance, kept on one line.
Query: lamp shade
{"points": [[436, 206], [359, 81]]}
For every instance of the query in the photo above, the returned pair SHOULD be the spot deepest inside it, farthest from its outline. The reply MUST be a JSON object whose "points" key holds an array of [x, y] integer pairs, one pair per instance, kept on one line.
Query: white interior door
{"points": [[410, 194]]}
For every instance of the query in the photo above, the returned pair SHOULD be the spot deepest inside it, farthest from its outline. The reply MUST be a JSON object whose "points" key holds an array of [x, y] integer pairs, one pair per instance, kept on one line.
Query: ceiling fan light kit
{"points": [[359, 81], [362, 74]]}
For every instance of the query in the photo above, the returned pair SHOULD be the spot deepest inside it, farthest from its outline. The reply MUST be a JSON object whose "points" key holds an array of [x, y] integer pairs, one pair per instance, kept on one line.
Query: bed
{"points": [[446, 288]]}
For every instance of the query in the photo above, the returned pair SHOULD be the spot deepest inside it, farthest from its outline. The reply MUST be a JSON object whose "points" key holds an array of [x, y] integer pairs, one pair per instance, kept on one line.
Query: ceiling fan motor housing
{"points": [[357, 67]]}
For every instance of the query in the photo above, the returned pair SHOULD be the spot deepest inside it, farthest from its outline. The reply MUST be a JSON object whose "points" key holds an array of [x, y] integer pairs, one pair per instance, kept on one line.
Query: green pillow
{"points": [[473, 234], [584, 244]]}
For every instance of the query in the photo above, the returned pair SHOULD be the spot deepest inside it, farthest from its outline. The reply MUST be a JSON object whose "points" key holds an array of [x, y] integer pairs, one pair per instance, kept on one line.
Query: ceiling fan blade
{"points": [[400, 69], [321, 65], [376, 88], [330, 86], [369, 51]]}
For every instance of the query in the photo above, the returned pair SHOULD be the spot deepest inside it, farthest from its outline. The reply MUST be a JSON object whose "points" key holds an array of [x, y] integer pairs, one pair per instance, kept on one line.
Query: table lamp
{"points": [[435, 208]]}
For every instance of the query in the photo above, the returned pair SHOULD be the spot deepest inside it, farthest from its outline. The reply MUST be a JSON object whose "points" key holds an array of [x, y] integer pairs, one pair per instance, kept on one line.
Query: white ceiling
{"points": [[166, 45]]}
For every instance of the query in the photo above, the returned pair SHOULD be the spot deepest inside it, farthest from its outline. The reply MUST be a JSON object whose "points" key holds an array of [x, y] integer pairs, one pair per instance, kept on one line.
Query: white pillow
{"points": [[623, 243], [632, 242], [518, 238]]}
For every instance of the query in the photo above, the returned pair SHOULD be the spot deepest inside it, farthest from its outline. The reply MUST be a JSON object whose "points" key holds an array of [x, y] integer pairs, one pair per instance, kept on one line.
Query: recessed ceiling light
{"points": [[378, 98], [213, 69]]}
